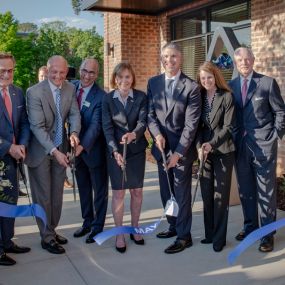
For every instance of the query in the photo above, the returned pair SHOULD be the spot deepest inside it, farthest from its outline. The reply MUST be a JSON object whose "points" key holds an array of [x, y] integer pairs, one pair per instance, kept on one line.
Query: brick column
{"points": [[268, 44]]}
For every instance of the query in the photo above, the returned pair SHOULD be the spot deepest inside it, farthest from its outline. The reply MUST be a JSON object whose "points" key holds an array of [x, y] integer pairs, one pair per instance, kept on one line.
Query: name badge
{"points": [[86, 104]]}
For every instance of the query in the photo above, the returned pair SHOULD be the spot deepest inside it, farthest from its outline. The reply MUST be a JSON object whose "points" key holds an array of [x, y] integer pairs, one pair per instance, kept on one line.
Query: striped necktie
{"points": [[59, 126]]}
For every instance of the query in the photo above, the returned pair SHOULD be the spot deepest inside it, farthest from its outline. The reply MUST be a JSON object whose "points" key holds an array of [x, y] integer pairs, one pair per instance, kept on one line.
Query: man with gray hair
{"points": [[50, 103], [90, 163], [174, 113], [260, 122]]}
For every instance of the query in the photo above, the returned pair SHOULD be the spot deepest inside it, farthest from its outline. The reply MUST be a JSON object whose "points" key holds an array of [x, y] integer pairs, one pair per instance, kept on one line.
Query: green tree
{"points": [[34, 48], [22, 49], [76, 5], [27, 27]]}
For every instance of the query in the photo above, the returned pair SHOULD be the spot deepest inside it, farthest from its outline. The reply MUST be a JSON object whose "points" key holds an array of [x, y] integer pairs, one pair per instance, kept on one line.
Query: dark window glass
{"points": [[231, 16], [193, 31]]}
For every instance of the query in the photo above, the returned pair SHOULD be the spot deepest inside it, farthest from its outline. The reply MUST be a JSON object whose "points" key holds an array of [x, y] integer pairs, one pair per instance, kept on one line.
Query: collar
{"points": [[117, 94], [175, 77], [248, 77], [87, 88], [53, 87]]}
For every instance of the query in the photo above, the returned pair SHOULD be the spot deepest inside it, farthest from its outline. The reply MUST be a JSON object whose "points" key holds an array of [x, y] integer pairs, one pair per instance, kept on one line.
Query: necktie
{"points": [[169, 86], [7, 102], [244, 90], [59, 127], [79, 97]]}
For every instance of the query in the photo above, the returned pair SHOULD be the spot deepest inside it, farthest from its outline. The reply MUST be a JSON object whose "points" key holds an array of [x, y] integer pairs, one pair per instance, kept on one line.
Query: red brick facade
{"points": [[268, 44], [138, 39]]}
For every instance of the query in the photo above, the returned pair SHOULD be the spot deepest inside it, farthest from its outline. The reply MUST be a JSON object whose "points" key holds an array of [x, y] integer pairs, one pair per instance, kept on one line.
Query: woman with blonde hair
{"points": [[216, 148]]}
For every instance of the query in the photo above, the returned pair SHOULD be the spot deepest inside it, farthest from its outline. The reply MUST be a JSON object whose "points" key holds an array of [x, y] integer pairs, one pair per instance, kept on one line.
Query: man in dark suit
{"points": [[14, 137], [50, 103], [174, 112], [260, 121], [91, 167]]}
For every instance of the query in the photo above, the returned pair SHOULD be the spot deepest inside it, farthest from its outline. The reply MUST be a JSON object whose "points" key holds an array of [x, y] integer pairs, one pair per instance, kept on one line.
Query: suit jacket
{"points": [[118, 121], [263, 115], [42, 117], [91, 135], [179, 123], [20, 128], [218, 132]]}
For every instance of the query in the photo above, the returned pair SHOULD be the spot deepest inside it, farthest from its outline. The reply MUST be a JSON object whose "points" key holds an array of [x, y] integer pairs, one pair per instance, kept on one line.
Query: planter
{"points": [[281, 193]]}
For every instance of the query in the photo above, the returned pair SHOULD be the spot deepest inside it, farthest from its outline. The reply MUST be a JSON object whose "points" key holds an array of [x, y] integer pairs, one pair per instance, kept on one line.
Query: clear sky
{"points": [[42, 11]]}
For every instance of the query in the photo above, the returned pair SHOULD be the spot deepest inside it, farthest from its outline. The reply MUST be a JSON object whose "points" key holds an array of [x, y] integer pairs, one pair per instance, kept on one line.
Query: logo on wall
{"points": [[223, 38]]}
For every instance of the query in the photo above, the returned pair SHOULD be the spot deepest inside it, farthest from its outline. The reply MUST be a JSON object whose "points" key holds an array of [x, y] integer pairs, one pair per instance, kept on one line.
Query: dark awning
{"points": [[145, 7]]}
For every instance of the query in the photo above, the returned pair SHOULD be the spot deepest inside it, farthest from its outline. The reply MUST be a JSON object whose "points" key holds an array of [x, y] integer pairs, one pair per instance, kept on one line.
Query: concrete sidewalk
{"points": [[92, 264]]}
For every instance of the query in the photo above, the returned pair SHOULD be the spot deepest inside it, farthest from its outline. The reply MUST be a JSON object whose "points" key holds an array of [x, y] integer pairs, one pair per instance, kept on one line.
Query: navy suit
{"points": [[178, 125], [21, 131], [91, 166], [259, 124]]}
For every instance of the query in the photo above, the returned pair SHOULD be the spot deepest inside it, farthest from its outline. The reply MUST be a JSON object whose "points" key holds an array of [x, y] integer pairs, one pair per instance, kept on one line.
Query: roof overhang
{"points": [[143, 7]]}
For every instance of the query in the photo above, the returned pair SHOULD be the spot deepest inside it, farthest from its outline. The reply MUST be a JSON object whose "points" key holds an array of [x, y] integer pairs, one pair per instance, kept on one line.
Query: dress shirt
{"points": [[248, 80], [123, 101], [85, 93], [175, 78]]}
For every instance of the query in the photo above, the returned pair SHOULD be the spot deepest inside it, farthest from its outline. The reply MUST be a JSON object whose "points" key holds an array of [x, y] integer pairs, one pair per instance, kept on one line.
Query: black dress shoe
{"points": [[90, 238], [61, 239], [81, 232], [6, 260], [121, 249], [53, 247], [22, 194], [241, 236], [218, 248], [178, 245], [206, 241], [266, 244], [17, 249], [167, 234], [139, 242]]}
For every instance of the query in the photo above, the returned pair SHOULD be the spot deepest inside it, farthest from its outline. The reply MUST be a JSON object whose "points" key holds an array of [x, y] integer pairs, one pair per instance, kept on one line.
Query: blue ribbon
{"points": [[102, 237], [253, 237], [14, 211]]}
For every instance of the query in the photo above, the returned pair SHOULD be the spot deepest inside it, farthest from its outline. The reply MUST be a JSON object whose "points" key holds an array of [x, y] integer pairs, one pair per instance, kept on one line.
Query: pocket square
{"points": [[259, 98], [20, 106]]}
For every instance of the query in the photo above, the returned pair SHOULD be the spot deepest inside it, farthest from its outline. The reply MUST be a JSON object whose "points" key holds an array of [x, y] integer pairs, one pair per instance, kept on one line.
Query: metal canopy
{"points": [[143, 7]]}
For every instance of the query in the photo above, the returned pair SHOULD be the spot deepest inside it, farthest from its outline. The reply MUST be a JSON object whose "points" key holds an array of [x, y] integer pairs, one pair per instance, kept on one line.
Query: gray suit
{"points": [[259, 124], [178, 125], [45, 173]]}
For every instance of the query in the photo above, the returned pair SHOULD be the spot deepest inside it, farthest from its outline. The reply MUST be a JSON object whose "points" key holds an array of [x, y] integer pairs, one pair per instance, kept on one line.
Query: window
{"points": [[193, 31]]}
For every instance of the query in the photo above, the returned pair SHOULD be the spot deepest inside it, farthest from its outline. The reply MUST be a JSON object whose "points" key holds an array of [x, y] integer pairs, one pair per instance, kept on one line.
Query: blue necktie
{"points": [[58, 132]]}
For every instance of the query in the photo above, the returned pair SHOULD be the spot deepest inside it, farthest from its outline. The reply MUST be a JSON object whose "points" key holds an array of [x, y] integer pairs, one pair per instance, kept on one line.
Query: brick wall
{"points": [[268, 44], [136, 39]]}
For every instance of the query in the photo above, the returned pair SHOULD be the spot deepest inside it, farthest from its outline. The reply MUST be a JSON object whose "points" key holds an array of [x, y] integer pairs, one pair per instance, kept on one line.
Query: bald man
{"points": [[50, 104], [91, 168]]}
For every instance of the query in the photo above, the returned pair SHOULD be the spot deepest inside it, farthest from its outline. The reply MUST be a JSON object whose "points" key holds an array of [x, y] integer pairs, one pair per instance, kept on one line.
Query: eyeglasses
{"points": [[4, 71], [85, 72]]}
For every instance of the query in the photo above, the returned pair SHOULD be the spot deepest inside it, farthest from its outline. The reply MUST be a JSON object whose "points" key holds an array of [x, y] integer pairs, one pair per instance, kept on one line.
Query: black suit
{"points": [[216, 129], [20, 130], [259, 124], [178, 125], [91, 167], [118, 121]]}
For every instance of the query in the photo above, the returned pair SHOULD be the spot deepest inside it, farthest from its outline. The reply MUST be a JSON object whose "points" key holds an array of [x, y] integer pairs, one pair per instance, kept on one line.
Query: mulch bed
{"points": [[281, 193]]}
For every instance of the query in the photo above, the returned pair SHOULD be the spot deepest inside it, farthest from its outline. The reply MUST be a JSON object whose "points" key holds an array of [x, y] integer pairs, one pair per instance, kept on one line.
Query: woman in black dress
{"points": [[215, 142], [124, 112]]}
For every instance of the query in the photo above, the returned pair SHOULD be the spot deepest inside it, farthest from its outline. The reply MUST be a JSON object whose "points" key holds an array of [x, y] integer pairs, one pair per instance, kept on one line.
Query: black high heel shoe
{"points": [[121, 249], [139, 242]]}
